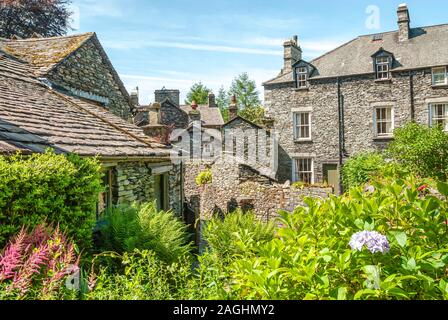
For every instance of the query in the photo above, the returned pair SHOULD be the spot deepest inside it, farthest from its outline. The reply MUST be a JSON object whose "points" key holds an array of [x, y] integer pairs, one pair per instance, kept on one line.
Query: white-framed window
{"points": [[302, 77], [439, 115], [384, 121], [382, 68], [303, 170], [302, 125], [439, 76]]}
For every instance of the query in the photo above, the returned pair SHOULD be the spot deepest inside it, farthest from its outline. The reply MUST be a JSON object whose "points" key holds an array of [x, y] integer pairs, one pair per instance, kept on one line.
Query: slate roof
{"points": [[33, 117], [427, 47], [44, 53], [211, 117]]}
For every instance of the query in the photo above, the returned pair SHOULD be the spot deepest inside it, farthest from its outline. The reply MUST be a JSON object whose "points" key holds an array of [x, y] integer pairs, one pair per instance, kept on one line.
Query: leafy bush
{"points": [[142, 227], [422, 149], [35, 265], [236, 234], [205, 177], [145, 277], [310, 258], [359, 169], [47, 187]]}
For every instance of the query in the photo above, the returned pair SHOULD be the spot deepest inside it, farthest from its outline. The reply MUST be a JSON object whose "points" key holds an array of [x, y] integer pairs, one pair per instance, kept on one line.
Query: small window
{"points": [[382, 68], [302, 125], [302, 77], [303, 170], [439, 115], [384, 121], [439, 76]]}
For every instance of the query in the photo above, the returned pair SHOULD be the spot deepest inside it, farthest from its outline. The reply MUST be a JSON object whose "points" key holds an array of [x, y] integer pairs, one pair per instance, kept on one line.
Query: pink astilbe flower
{"points": [[40, 259], [11, 259], [32, 267]]}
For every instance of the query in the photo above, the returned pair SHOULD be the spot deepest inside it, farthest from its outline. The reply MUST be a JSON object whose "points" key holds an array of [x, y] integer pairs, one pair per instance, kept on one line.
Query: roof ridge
{"points": [[50, 38]]}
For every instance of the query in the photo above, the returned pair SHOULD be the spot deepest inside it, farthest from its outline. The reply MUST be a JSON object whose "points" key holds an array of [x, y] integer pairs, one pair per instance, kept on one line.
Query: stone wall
{"points": [[87, 70], [360, 95], [173, 115], [135, 182], [237, 186]]}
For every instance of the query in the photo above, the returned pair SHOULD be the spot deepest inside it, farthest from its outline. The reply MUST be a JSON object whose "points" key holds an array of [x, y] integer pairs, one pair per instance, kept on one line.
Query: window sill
{"points": [[383, 138], [440, 86], [383, 80], [302, 89], [303, 140]]}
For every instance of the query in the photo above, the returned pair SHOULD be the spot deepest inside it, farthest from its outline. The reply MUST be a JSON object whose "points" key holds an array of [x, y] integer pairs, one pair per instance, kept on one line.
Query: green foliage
{"points": [[222, 100], [125, 229], [310, 257], [359, 169], [255, 114], [236, 234], [205, 177], [57, 189], [245, 91], [422, 149], [198, 93], [145, 277]]}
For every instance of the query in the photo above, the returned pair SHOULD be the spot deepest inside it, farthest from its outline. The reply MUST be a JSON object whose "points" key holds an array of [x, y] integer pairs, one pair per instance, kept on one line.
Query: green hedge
{"points": [[58, 189]]}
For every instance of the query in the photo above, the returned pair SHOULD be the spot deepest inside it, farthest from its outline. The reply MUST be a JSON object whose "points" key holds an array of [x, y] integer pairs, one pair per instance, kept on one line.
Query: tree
{"points": [[422, 149], [254, 114], [198, 93], [245, 90], [222, 100], [23, 18]]}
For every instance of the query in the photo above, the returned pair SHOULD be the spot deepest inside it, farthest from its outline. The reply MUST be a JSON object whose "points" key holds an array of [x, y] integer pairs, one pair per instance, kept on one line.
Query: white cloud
{"points": [[141, 44]]}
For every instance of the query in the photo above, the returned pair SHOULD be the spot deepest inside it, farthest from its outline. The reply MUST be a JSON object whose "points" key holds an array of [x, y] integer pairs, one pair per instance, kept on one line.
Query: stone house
{"points": [[350, 99], [63, 93]]}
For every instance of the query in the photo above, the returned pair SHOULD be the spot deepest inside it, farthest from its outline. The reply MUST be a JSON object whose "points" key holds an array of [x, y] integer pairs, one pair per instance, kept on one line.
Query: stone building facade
{"points": [[351, 99]]}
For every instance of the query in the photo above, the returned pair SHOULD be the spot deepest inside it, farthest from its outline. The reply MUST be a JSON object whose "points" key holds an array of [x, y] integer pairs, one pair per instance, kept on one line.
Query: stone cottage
{"points": [[351, 99], [64, 93]]}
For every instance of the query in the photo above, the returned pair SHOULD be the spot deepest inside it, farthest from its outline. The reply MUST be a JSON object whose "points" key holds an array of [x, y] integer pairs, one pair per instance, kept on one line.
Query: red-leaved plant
{"points": [[34, 264]]}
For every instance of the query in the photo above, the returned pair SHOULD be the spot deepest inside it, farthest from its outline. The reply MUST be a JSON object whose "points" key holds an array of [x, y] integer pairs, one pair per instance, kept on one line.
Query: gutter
{"points": [[341, 132]]}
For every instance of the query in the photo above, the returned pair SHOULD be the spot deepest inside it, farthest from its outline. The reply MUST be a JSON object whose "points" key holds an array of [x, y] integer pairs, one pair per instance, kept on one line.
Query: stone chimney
{"points": [[212, 100], [194, 114], [404, 22], [233, 108], [172, 95], [134, 97], [154, 114], [293, 54]]}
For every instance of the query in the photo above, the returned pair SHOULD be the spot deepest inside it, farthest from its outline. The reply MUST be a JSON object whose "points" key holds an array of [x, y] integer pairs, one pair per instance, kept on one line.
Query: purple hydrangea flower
{"points": [[374, 241]]}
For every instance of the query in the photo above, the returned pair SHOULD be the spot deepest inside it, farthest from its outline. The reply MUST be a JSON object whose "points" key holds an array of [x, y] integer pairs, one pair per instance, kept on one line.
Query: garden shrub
{"points": [[205, 177], [359, 169], [236, 234], [36, 264], [311, 257], [59, 189], [422, 149], [126, 228]]}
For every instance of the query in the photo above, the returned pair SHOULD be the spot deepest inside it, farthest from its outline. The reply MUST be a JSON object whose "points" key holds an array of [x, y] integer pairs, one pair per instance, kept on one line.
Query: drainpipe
{"points": [[341, 132], [411, 91]]}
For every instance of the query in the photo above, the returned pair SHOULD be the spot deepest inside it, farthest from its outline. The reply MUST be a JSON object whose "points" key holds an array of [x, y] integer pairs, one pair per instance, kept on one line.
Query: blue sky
{"points": [[175, 43]]}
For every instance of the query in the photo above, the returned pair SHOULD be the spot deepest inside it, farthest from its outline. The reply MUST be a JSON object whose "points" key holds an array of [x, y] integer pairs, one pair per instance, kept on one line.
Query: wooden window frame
{"points": [[297, 175]]}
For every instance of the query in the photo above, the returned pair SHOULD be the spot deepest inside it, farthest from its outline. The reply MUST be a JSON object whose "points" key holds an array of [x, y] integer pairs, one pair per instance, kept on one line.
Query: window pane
{"points": [[439, 76]]}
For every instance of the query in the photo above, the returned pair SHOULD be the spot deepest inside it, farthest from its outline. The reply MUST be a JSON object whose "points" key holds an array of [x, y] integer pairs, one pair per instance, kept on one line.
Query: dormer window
{"points": [[382, 68], [302, 77], [439, 76]]}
